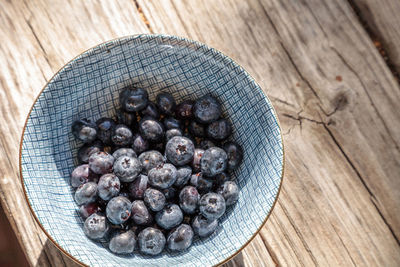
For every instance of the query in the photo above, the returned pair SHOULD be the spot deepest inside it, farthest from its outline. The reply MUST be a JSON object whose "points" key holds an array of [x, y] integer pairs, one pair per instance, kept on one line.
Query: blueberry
{"points": [[221, 178], [139, 144], [88, 149], [151, 129], [183, 175], [204, 227], [127, 168], [184, 110], [150, 110], [219, 130], [169, 217], [166, 103], [151, 241], [124, 152], [235, 154], [169, 193], [133, 99], [89, 209], [151, 159], [84, 130], [158, 146], [86, 193], [140, 213], [128, 119], [214, 161], [118, 210], [121, 135], [179, 150], [198, 154], [122, 242], [189, 199], [105, 127], [81, 175], [171, 133], [230, 191], [202, 184], [197, 129], [207, 109], [180, 238], [206, 144], [108, 186], [162, 176], [96, 226], [172, 123], [137, 188], [212, 206], [154, 199], [101, 162]]}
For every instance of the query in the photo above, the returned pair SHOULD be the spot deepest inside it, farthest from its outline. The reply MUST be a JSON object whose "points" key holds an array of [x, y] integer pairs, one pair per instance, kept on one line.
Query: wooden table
{"points": [[329, 67]]}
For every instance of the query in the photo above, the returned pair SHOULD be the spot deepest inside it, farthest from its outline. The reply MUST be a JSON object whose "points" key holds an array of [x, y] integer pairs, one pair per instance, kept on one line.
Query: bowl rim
{"points": [[128, 37]]}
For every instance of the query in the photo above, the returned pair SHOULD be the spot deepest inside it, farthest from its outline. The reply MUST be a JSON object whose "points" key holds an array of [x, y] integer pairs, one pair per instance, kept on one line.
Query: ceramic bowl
{"points": [[88, 87]]}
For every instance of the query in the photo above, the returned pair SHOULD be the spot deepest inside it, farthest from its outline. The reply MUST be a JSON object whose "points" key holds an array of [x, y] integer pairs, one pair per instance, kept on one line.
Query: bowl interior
{"points": [[88, 87]]}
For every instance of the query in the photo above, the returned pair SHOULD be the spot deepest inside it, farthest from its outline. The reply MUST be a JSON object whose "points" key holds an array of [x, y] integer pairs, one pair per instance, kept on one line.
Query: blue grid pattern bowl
{"points": [[88, 87]]}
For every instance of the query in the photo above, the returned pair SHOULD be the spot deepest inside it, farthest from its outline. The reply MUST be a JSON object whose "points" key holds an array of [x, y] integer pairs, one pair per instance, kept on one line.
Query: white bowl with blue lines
{"points": [[88, 87]]}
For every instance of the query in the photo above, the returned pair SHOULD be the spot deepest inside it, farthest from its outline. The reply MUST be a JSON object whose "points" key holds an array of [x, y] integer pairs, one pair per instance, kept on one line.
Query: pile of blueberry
{"points": [[156, 175]]}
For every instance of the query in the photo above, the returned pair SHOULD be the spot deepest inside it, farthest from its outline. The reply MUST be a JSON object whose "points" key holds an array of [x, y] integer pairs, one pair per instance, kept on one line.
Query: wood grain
{"points": [[337, 101]]}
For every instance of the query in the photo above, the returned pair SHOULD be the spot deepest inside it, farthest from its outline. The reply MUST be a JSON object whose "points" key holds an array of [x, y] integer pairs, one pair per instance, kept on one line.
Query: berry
{"points": [[139, 144], [96, 226], [230, 191], [180, 238], [219, 130], [198, 154], [171, 133], [202, 184], [172, 123], [86, 210], [189, 199], [101, 162], [169, 217], [154, 199], [84, 130], [221, 178], [140, 213], [133, 99], [196, 129], [184, 110], [137, 188], [121, 135], [127, 168], [86, 193], [151, 159], [212, 206], [166, 103], [162, 176], [206, 144], [128, 119], [88, 149], [81, 175], [122, 242], [207, 109], [179, 150], [151, 129], [151, 241], [204, 227], [183, 175], [105, 127], [169, 193], [150, 110], [108, 186], [158, 146], [235, 154], [118, 210], [124, 152], [213, 162]]}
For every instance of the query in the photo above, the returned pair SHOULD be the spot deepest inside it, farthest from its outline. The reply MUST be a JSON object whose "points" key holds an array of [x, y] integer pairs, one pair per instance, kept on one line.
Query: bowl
{"points": [[88, 87]]}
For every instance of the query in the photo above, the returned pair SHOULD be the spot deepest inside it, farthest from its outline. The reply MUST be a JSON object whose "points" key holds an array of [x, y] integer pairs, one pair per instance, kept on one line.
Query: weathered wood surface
{"points": [[338, 103]]}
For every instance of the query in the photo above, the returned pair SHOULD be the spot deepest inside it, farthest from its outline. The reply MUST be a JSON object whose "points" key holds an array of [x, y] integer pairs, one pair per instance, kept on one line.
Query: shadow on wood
{"points": [[237, 261]]}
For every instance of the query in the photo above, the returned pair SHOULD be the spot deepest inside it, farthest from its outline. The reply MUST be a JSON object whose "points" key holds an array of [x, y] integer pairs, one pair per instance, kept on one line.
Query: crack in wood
{"points": [[270, 251], [143, 16], [39, 43], [341, 241]]}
